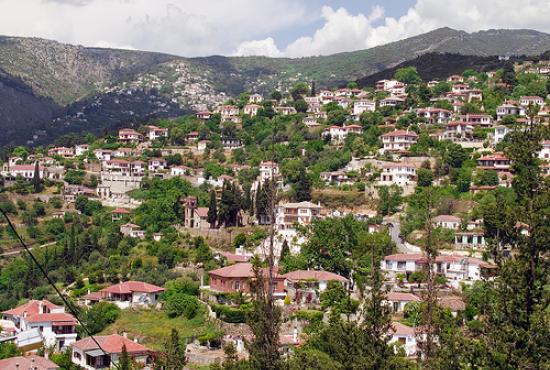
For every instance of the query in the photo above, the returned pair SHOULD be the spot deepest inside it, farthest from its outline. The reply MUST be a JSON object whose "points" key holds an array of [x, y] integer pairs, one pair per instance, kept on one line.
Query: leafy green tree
{"points": [[301, 106], [179, 304], [425, 177], [389, 199], [487, 177], [408, 75], [99, 316]]}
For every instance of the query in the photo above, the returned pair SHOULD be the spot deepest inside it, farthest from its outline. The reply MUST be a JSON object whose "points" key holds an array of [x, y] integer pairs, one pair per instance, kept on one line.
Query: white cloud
{"points": [[184, 27], [245, 27], [265, 47], [343, 31]]}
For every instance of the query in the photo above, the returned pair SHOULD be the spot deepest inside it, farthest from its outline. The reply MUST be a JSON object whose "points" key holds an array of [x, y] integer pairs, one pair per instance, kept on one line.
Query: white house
{"points": [[157, 164], [363, 105], [338, 134], [103, 154], [447, 222], [42, 321], [87, 354], [61, 151], [404, 336], [80, 149], [398, 300], [305, 286], [268, 171], [302, 213], [255, 98], [127, 294], [399, 140], [154, 132], [544, 153], [128, 135], [500, 133], [251, 109], [434, 115], [509, 108], [400, 174], [531, 100], [24, 170]]}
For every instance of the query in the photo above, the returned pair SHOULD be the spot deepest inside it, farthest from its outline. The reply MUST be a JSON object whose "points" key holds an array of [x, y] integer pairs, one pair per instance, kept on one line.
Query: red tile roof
{"points": [[400, 296], [239, 270], [401, 133], [59, 318], [401, 330], [28, 362], [131, 286], [31, 307], [111, 344], [404, 257], [121, 211], [314, 275]]}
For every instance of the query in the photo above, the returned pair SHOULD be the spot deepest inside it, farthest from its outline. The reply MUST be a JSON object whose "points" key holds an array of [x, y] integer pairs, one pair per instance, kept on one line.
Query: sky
{"points": [[275, 28]]}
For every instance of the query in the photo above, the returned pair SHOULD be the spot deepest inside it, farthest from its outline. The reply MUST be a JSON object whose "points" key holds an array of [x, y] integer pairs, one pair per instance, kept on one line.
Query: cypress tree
{"points": [[212, 210], [36, 182], [124, 362]]}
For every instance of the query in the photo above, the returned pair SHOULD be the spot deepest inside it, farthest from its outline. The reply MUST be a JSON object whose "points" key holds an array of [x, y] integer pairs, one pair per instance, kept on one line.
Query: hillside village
{"points": [[164, 226]]}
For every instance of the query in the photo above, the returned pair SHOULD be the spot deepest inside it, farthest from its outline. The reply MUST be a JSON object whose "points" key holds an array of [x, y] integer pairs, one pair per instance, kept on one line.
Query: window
{"points": [[401, 265], [237, 285]]}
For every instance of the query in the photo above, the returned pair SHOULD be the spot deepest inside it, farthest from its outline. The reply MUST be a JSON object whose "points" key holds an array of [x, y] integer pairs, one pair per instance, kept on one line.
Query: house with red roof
{"points": [[194, 217], [40, 322], [238, 277], [128, 135], [33, 362], [154, 132], [88, 355], [399, 140], [119, 214], [305, 286], [127, 294], [403, 336], [447, 222], [132, 230], [26, 171], [398, 300]]}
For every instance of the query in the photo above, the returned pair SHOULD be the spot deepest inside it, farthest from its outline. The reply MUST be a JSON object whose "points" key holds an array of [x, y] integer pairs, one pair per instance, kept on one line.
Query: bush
{"points": [[231, 314], [99, 316], [179, 304]]}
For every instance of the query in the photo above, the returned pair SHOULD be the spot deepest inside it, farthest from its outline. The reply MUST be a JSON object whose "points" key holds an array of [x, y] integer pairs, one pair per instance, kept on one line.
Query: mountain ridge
{"points": [[55, 78]]}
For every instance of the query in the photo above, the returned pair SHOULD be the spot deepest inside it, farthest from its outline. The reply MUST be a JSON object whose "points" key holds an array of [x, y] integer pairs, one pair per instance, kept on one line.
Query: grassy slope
{"points": [[155, 326]]}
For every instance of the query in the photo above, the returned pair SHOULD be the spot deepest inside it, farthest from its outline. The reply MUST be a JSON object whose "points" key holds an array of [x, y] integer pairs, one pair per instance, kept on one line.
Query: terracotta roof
{"points": [[110, 344], [453, 303], [28, 362], [238, 270], [121, 211], [446, 218], [314, 275], [25, 167], [31, 307], [202, 212], [401, 330], [400, 296], [128, 287], [401, 133], [64, 318], [404, 257], [93, 296], [235, 257]]}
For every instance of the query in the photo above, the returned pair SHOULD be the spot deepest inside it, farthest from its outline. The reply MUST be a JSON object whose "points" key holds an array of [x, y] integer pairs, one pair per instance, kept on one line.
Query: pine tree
{"points": [[212, 210], [285, 250], [124, 363], [36, 181]]}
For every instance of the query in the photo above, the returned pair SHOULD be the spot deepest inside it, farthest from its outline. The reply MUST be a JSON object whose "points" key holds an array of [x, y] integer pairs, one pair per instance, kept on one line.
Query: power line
{"points": [[68, 304]]}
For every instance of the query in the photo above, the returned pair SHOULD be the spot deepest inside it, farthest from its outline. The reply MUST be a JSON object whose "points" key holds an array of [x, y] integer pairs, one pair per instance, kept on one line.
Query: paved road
{"points": [[21, 250], [395, 230]]}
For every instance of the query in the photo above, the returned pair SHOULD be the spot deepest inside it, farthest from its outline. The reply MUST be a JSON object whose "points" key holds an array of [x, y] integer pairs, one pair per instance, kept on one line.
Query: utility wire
{"points": [[68, 304]]}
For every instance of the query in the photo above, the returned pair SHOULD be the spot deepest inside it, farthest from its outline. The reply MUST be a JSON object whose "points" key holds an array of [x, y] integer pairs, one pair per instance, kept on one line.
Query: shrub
{"points": [[179, 304]]}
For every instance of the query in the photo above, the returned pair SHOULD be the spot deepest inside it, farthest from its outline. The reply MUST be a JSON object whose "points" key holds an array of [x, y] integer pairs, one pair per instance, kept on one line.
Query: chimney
{"points": [[124, 334], [40, 307], [295, 335], [25, 314], [136, 340], [17, 366]]}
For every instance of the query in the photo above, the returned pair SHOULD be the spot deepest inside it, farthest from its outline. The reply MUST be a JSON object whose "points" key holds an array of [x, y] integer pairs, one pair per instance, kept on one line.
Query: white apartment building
{"points": [[399, 140], [363, 105], [399, 174]]}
